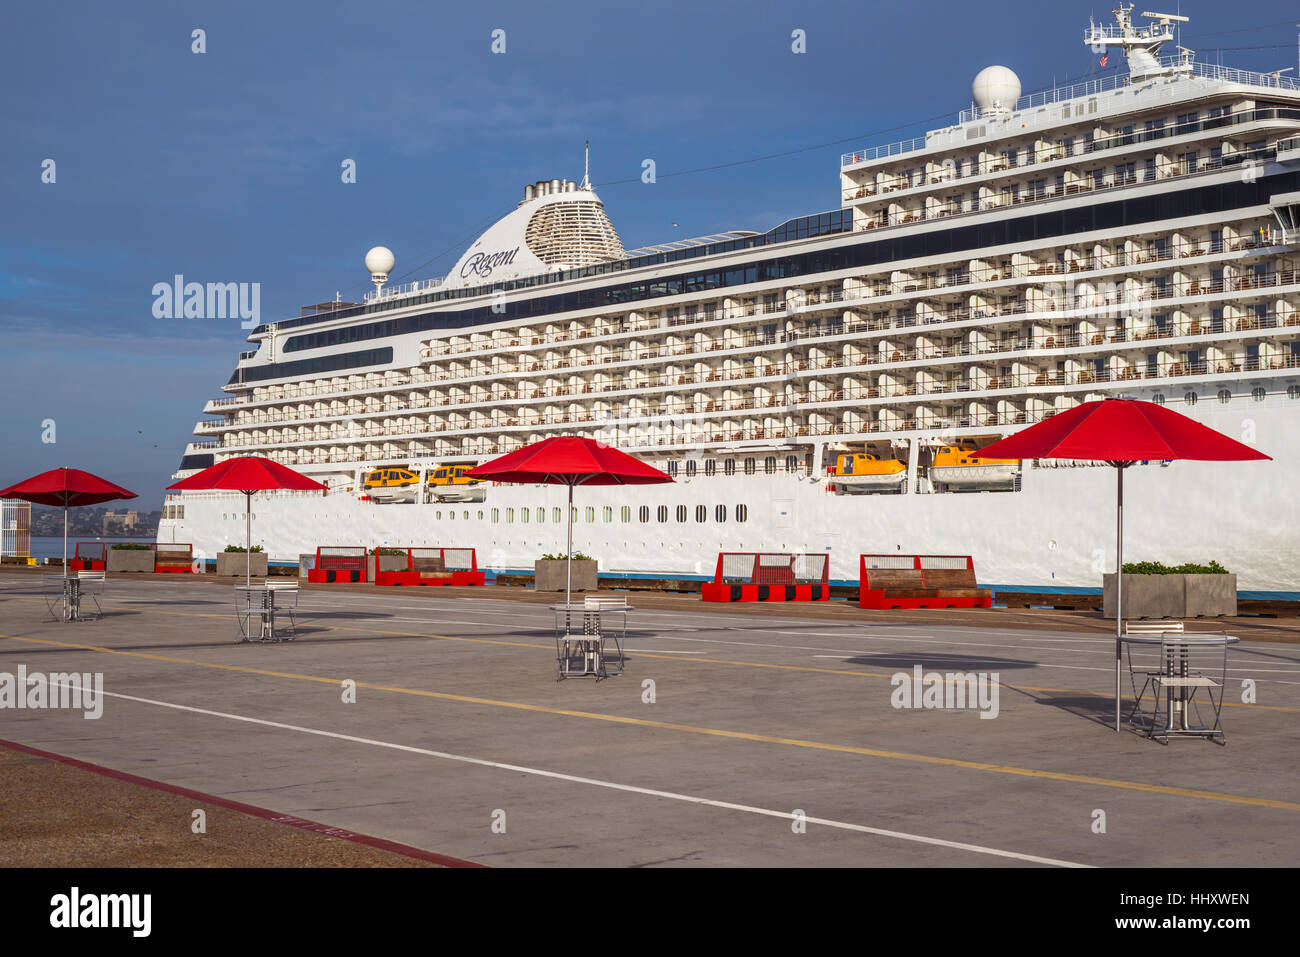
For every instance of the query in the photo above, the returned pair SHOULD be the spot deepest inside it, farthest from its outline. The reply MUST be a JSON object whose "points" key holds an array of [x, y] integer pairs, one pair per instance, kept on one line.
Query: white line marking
{"points": [[611, 785]]}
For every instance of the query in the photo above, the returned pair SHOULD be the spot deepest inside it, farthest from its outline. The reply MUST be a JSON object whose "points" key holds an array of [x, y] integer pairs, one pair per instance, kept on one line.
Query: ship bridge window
{"points": [[742, 512]]}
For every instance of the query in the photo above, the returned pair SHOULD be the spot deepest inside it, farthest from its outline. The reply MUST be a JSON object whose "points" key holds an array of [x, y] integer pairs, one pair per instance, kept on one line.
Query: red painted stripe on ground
{"points": [[250, 809]]}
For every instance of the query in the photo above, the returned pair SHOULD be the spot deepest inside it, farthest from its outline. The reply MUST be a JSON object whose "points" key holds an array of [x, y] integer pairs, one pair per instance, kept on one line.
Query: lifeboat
{"points": [[957, 470], [862, 472], [449, 483]]}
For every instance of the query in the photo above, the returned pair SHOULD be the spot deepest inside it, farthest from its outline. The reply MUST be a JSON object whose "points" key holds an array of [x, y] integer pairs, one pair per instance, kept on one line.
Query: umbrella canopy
{"points": [[1121, 432], [67, 488], [569, 460], [248, 474]]}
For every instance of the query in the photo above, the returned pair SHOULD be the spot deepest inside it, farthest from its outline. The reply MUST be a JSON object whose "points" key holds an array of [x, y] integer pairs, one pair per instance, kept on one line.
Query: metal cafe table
{"points": [[1174, 666], [65, 595], [257, 603], [587, 651]]}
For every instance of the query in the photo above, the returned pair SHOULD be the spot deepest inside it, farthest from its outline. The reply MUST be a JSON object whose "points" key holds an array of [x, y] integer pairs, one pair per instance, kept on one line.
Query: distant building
{"points": [[125, 520]]}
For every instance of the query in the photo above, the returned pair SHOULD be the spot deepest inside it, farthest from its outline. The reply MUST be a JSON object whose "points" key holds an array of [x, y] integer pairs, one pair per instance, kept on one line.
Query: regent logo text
{"points": [[71, 691], [950, 691], [482, 264]]}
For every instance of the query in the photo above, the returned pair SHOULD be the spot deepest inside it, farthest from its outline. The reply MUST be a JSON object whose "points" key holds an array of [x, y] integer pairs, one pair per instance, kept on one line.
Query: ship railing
{"points": [[1223, 364], [1087, 88], [1134, 332]]}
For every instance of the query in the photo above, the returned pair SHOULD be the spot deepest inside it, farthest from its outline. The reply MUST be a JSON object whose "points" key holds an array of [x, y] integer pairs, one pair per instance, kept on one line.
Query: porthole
{"points": [[541, 516], [1293, 392], [1225, 396], [701, 513], [510, 516], [661, 513], [555, 515], [742, 512], [1158, 398], [607, 514], [438, 515], [1190, 398], [750, 466], [1257, 394], [769, 465], [524, 514], [644, 513], [589, 514], [729, 467], [690, 467], [496, 516], [681, 513], [710, 467], [625, 513]]}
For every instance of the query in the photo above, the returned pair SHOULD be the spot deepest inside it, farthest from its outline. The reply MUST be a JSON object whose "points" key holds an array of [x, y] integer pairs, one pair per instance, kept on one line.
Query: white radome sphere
{"points": [[996, 87], [380, 261]]}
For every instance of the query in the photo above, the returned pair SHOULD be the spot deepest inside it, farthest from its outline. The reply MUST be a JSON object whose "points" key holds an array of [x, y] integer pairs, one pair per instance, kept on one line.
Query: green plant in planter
{"points": [[390, 551], [577, 557], [241, 548], [1188, 568], [129, 547]]}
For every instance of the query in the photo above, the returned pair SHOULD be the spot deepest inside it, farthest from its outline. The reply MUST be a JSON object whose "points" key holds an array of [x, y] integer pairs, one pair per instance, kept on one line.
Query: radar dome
{"points": [[380, 261], [996, 89]]}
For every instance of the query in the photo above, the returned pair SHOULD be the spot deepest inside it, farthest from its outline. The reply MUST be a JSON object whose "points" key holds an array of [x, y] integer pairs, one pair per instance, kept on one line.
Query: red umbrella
{"points": [[1120, 432], [66, 487], [248, 474], [569, 460]]}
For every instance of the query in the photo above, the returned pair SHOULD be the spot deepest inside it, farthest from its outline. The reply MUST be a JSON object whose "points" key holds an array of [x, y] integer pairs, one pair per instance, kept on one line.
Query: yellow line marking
{"points": [[649, 654], [713, 732]]}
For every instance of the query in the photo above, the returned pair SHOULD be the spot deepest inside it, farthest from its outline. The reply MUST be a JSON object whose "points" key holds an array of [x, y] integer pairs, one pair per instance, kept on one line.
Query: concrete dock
{"points": [[736, 736]]}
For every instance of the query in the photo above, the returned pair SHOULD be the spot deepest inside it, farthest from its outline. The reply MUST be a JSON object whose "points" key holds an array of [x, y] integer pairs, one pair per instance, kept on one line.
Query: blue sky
{"points": [[225, 166]]}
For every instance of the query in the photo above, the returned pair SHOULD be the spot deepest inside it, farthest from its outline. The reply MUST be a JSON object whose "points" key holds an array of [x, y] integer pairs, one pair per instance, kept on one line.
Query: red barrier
{"points": [[769, 576], [339, 563], [920, 581], [433, 566]]}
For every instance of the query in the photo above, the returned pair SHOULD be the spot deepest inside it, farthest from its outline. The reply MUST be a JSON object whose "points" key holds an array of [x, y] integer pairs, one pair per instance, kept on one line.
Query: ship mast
{"points": [[1141, 47]]}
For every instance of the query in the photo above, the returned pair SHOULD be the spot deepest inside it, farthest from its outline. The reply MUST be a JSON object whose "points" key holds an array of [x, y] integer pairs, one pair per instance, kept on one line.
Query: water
{"points": [[46, 547]]}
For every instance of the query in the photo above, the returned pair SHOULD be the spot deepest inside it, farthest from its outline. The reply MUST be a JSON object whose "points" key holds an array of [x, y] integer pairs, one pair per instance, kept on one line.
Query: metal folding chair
{"points": [[1187, 665], [253, 604], [283, 597], [91, 585]]}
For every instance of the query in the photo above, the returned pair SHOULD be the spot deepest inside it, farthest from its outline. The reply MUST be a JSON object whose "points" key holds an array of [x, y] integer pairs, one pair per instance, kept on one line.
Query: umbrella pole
{"points": [[568, 560], [1119, 585], [248, 538]]}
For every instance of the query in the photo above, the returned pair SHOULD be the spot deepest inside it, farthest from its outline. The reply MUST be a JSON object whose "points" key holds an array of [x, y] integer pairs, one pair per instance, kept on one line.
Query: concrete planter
{"points": [[548, 575], [129, 560], [232, 563], [1173, 596]]}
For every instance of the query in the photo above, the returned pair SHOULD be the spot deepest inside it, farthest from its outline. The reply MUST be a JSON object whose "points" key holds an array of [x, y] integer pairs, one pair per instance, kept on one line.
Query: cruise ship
{"points": [[819, 387]]}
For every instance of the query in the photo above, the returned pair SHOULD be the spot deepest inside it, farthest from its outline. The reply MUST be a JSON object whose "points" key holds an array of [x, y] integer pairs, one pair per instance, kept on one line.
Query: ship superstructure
{"points": [[1131, 235]]}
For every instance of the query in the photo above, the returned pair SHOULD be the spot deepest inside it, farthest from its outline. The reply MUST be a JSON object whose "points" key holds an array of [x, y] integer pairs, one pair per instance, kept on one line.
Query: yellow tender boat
{"points": [[859, 472], [957, 470]]}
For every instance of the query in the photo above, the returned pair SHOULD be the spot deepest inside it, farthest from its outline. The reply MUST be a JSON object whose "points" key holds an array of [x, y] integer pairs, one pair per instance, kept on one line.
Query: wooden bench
{"points": [[920, 581], [173, 560]]}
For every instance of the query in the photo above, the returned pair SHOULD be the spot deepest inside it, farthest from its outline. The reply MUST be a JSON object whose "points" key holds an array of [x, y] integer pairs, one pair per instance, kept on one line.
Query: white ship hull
{"points": [[1057, 531]]}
